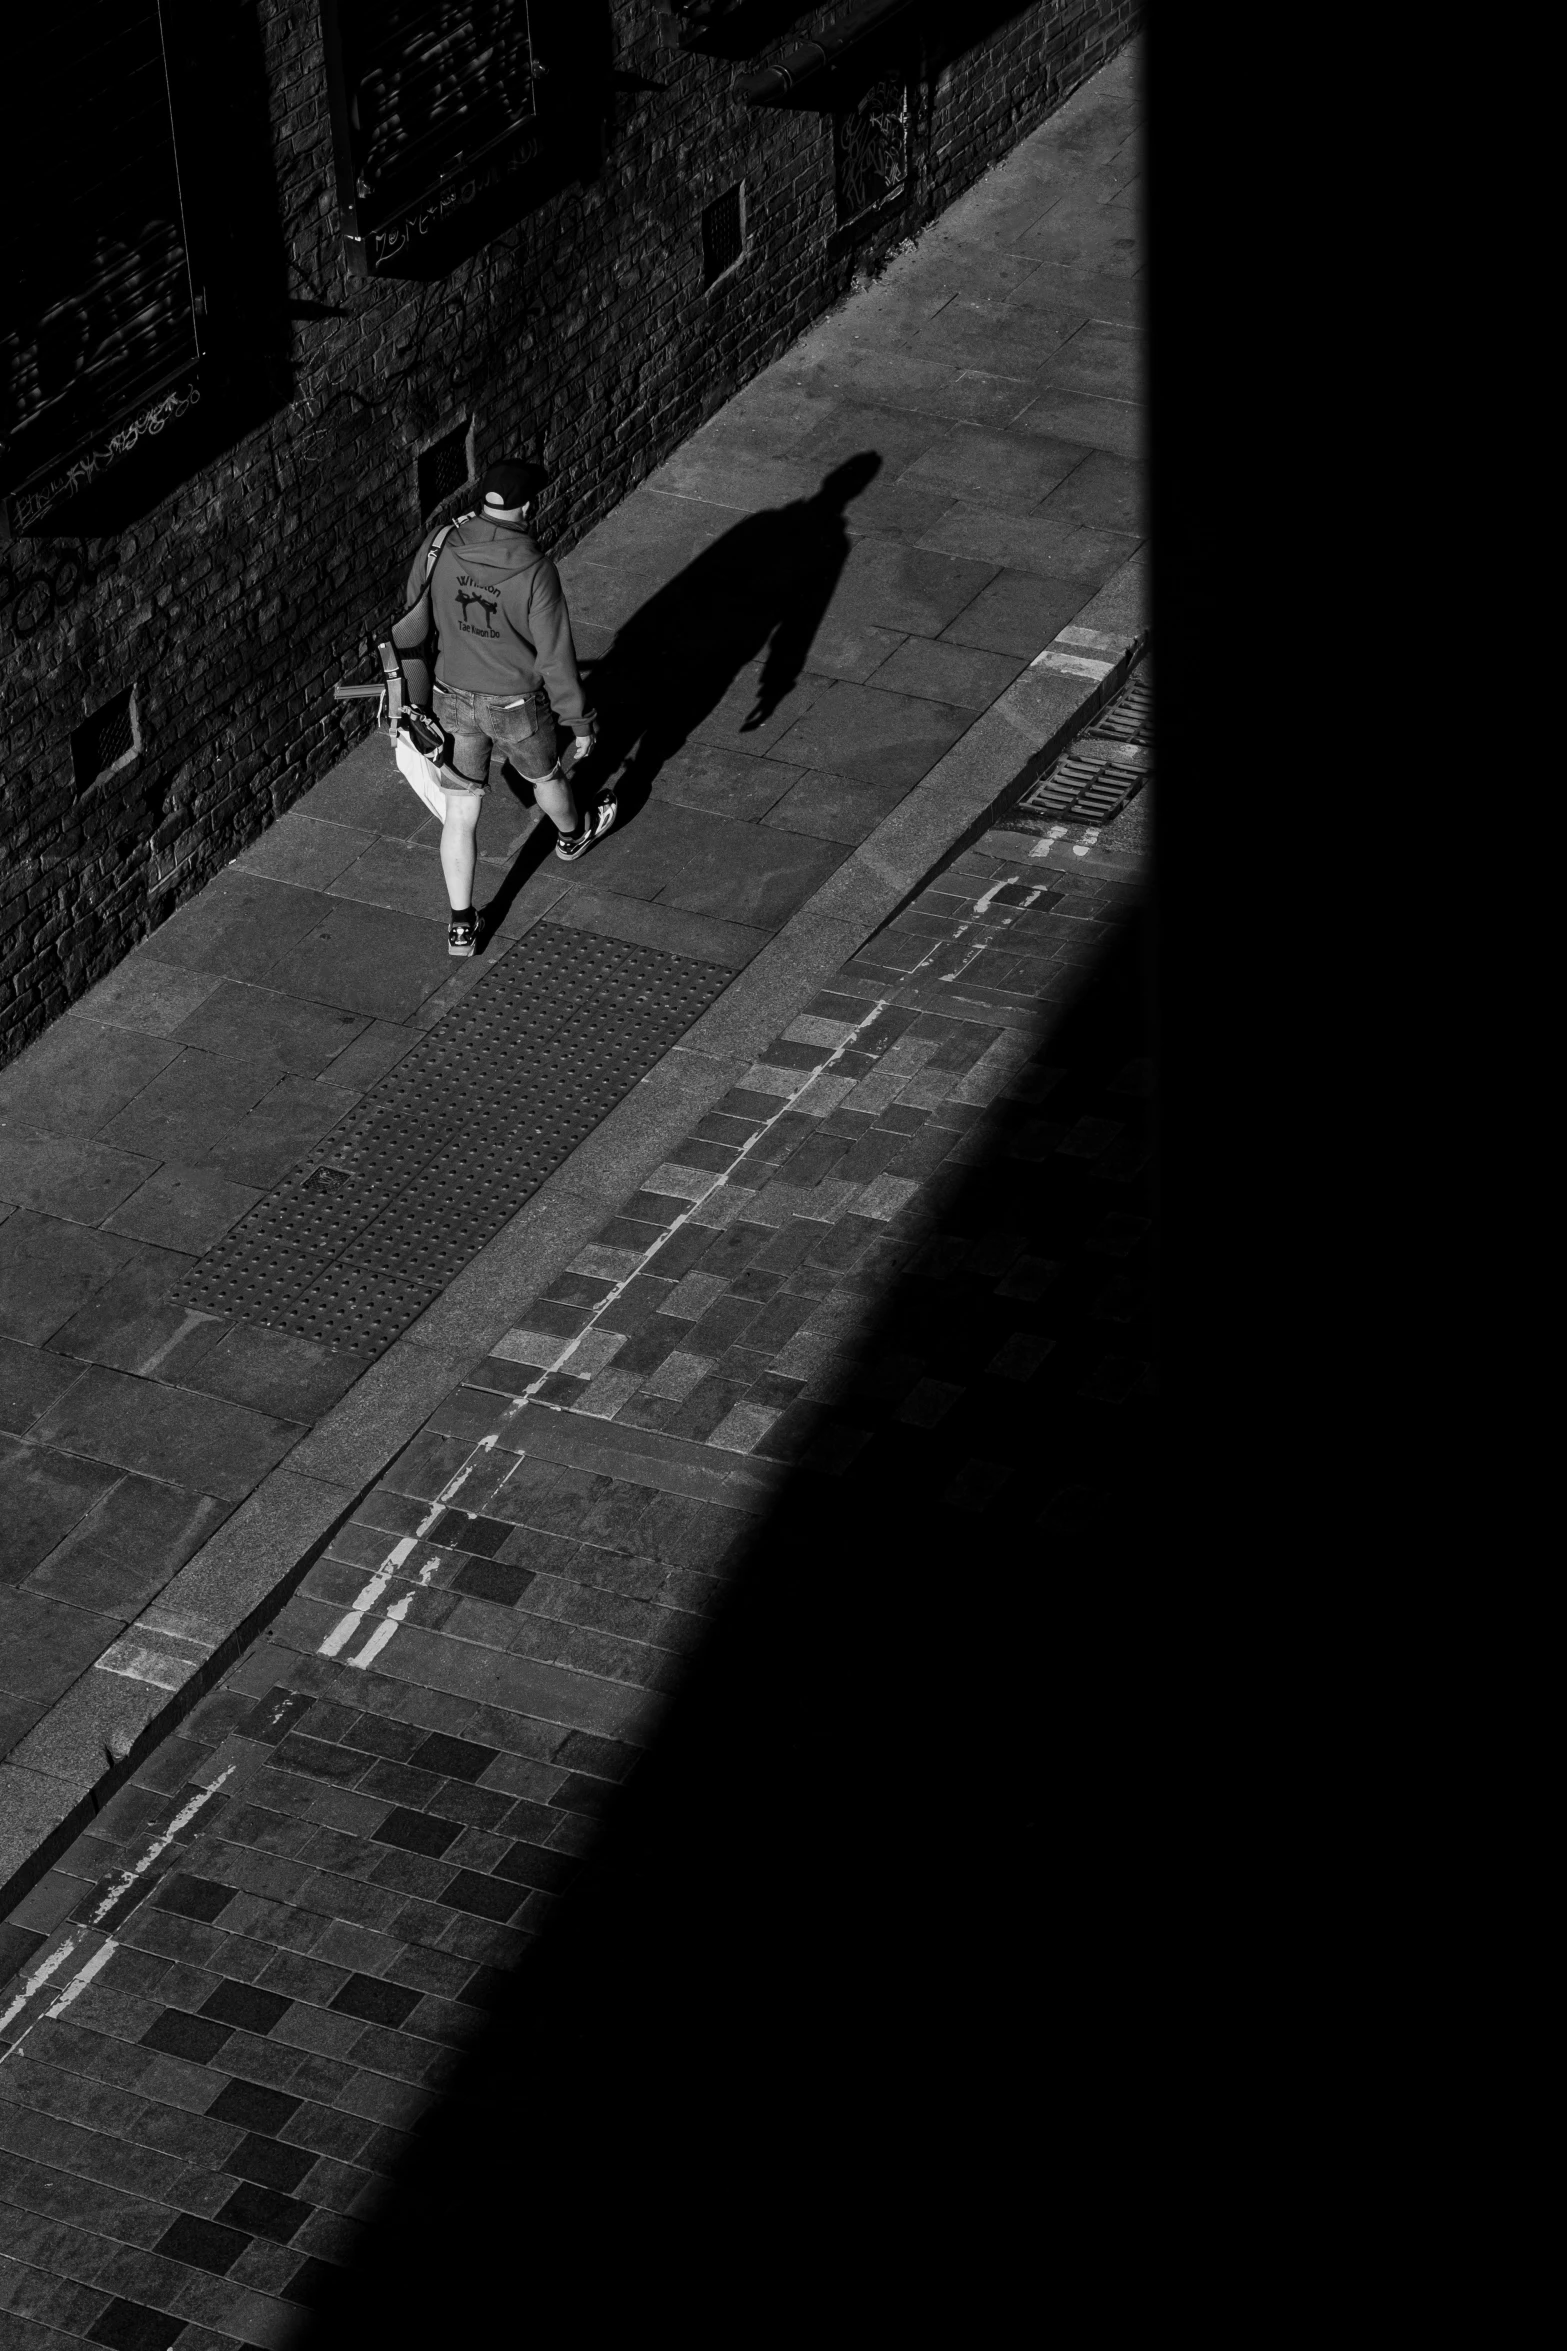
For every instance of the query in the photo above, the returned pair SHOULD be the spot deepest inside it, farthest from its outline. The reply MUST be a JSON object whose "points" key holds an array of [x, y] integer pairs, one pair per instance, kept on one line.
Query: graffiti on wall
{"points": [[871, 149], [425, 96], [40, 582], [101, 315]]}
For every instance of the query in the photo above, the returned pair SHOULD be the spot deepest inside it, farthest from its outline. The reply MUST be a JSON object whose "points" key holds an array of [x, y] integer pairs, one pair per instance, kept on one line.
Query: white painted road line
{"points": [[50, 1965], [182, 1820], [83, 1977], [1073, 665], [393, 1618], [346, 1626]]}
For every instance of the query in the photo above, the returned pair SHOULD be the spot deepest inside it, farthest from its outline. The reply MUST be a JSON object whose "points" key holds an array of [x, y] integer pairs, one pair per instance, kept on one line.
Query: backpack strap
{"points": [[439, 541]]}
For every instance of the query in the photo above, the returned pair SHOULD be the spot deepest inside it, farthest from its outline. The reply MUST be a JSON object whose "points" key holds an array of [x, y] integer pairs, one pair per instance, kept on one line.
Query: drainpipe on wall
{"points": [[811, 58]]}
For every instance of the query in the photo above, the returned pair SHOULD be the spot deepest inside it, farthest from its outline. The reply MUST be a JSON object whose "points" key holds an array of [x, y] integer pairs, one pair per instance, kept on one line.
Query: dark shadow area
{"points": [[845, 2011], [933, 34], [947, 34], [220, 99], [732, 29], [761, 589]]}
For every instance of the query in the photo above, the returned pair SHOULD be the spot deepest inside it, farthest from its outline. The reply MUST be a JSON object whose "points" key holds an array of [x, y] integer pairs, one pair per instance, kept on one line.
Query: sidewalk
{"points": [[258, 1213], [646, 1771]]}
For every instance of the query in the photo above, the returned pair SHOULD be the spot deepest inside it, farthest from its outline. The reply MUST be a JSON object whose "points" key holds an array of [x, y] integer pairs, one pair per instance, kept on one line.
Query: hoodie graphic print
{"points": [[501, 623]]}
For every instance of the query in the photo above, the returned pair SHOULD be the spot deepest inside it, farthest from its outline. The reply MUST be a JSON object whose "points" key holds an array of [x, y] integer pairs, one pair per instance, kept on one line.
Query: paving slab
{"points": [[79, 1076], [309, 851], [257, 1026], [835, 807], [29, 1380], [133, 1324], [240, 926], [44, 1493], [48, 1268], [122, 1552], [1067, 414], [827, 640], [146, 994], [183, 1207], [82, 1181]]}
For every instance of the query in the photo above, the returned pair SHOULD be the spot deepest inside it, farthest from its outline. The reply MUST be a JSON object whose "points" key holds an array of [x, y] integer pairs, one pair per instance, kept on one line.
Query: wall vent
{"points": [[110, 738], [445, 468], [723, 234]]}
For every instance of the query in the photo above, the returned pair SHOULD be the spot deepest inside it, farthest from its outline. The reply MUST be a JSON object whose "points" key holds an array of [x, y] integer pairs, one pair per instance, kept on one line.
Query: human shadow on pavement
{"points": [[762, 590], [855, 1982], [766, 584]]}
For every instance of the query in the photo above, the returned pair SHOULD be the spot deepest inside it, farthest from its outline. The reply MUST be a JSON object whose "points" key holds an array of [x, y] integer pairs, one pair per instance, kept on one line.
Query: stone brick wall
{"points": [[233, 583]]}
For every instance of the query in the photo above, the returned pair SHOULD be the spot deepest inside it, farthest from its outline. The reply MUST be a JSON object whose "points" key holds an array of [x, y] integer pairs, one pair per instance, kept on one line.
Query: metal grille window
{"points": [[98, 335], [432, 101], [723, 234], [445, 468], [108, 739], [871, 149]]}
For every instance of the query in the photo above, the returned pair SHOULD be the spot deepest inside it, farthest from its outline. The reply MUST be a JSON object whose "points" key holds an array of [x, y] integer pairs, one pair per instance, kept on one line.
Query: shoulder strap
{"points": [[436, 544]]}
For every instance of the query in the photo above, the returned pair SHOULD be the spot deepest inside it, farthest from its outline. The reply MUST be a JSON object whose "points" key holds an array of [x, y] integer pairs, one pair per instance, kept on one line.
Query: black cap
{"points": [[511, 483]]}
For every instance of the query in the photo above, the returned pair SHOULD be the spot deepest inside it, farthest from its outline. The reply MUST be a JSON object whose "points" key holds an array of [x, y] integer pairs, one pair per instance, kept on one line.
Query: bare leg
{"points": [[459, 846], [555, 796]]}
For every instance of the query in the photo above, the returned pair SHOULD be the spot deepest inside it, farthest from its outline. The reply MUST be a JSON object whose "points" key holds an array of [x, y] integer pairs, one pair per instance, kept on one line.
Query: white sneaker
{"points": [[596, 822]]}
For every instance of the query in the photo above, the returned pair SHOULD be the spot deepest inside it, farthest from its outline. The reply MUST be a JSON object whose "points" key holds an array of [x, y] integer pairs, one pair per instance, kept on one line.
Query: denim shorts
{"points": [[522, 726]]}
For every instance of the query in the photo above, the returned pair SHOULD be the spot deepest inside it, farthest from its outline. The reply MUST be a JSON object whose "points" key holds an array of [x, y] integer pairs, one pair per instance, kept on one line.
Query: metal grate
{"points": [[444, 469], [438, 1156], [723, 233], [106, 740], [1084, 791], [1129, 718]]}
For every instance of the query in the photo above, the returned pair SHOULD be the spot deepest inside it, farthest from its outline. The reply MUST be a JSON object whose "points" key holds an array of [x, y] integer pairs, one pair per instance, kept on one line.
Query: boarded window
{"points": [[723, 233], [110, 738], [98, 341], [445, 468]]}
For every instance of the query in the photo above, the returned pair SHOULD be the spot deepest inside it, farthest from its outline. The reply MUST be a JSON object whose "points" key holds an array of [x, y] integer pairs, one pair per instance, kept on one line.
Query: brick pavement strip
{"points": [[241, 1992]]}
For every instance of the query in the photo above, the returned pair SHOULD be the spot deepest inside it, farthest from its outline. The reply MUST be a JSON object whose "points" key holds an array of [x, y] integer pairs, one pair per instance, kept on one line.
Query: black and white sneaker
{"points": [[596, 822], [462, 934]]}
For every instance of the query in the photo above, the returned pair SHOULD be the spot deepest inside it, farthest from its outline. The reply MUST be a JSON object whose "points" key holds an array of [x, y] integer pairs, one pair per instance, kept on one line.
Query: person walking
{"points": [[488, 629]]}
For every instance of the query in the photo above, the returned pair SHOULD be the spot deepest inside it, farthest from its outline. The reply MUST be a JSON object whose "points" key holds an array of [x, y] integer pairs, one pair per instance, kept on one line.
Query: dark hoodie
{"points": [[501, 623]]}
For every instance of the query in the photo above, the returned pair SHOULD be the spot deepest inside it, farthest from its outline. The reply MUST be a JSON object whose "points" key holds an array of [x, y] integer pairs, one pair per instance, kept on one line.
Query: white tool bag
{"points": [[423, 776]]}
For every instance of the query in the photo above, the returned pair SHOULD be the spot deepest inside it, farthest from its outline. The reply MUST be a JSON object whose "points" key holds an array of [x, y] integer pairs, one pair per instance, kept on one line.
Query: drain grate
{"points": [[420, 1174], [1129, 718], [1092, 783], [1084, 791]]}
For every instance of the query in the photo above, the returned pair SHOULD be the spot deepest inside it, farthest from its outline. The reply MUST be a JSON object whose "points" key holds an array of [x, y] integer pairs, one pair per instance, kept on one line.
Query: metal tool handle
{"points": [[358, 693]]}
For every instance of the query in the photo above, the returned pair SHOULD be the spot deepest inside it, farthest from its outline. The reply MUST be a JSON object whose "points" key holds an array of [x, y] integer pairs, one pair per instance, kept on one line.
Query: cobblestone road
{"points": [[669, 1752]]}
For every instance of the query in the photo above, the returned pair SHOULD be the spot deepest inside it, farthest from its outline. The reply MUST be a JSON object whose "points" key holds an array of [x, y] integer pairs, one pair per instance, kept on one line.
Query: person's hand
{"points": [[581, 746]]}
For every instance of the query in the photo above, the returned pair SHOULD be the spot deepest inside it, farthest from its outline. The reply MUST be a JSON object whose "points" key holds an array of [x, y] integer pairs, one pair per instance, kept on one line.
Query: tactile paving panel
{"points": [[351, 1247]]}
